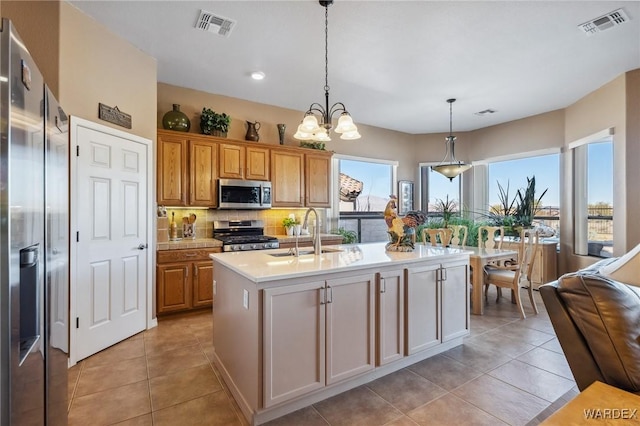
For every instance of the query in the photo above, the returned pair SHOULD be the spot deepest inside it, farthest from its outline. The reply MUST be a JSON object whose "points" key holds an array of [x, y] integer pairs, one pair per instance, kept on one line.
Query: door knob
{"points": [[142, 246]]}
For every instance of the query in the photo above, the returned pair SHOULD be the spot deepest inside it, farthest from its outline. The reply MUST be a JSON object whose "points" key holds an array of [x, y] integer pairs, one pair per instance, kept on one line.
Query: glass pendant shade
{"points": [[349, 136], [449, 166], [309, 129]]}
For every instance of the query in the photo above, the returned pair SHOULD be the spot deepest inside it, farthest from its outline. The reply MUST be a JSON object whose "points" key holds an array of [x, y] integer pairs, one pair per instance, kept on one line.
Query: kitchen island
{"points": [[290, 331]]}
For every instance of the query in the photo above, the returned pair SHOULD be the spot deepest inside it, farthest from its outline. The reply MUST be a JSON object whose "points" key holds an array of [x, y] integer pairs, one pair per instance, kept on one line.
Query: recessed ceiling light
{"points": [[257, 75]]}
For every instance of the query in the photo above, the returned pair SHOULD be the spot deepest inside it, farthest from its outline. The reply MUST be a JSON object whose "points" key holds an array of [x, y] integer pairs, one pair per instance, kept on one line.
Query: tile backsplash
{"points": [[272, 218]]}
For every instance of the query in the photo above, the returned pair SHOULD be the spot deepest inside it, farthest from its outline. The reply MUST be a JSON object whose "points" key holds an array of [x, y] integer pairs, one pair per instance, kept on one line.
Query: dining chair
{"points": [[458, 236], [490, 237], [433, 236], [516, 275]]}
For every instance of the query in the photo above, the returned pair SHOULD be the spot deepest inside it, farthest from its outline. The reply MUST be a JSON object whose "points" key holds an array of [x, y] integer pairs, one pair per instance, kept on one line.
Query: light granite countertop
{"points": [[270, 265]]}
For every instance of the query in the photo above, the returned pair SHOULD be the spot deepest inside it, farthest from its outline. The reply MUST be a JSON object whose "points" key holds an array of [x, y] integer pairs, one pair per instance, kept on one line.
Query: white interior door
{"points": [[111, 240]]}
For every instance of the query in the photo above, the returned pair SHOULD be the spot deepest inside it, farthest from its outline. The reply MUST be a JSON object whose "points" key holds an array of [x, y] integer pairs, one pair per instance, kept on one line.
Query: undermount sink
{"points": [[303, 252]]}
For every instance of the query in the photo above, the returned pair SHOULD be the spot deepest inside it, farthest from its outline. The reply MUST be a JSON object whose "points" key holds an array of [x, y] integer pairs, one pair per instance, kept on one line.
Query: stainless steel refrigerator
{"points": [[34, 242]]}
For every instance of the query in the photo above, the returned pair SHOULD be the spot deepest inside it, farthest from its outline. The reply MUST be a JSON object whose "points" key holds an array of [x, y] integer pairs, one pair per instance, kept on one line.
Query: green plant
{"points": [[447, 208], [211, 120], [348, 237], [516, 212], [287, 222], [312, 145]]}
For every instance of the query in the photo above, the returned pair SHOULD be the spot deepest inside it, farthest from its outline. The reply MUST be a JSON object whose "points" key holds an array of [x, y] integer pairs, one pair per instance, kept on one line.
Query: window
{"points": [[593, 197], [438, 188], [514, 173], [364, 187]]}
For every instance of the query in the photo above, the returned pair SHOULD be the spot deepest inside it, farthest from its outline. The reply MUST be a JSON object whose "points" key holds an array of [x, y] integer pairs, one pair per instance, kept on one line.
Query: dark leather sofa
{"points": [[597, 322]]}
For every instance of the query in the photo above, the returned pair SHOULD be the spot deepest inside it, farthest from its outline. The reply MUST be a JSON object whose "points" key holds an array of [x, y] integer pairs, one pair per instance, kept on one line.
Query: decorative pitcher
{"points": [[252, 131]]}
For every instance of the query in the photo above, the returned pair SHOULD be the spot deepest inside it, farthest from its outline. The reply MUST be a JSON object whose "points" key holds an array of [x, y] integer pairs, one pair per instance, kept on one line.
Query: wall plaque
{"points": [[114, 115]]}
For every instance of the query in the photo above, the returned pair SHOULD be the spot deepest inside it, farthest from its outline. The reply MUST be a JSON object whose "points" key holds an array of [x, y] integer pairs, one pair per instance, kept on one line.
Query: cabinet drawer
{"points": [[166, 256]]}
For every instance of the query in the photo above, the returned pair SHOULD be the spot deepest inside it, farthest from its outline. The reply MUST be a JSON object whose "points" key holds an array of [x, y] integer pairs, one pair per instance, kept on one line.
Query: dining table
{"points": [[478, 258]]}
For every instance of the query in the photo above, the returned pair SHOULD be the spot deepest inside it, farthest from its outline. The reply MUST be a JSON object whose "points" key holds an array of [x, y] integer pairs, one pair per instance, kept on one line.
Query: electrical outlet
{"points": [[245, 299], [215, 287]]}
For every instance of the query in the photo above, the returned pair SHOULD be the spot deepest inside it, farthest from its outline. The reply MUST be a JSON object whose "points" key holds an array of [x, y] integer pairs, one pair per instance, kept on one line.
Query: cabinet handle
{"points": [[190, 254], [330, 299], [195, 271], [383, 286], [186, 272], [322, 295], [443, 274]]}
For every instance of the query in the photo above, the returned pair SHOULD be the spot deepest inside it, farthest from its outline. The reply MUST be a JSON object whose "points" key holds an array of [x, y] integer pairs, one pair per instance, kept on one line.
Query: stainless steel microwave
{"points": [[244, 194]]}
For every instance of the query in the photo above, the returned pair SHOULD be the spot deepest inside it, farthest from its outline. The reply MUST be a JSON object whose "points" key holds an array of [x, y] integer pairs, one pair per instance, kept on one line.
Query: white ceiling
{"points": [[392, 63]]}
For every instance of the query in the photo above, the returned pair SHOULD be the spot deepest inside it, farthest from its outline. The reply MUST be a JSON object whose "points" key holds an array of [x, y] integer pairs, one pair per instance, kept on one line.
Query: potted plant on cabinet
{"points": [[212, 123]]}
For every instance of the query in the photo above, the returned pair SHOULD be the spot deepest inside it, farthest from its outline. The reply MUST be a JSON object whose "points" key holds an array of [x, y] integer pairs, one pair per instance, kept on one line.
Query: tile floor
{"points": [[508, 371]]}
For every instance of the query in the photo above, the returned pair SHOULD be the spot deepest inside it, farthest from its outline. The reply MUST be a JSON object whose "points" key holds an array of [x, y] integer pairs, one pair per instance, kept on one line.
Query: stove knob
{"points": [[235, 248]]}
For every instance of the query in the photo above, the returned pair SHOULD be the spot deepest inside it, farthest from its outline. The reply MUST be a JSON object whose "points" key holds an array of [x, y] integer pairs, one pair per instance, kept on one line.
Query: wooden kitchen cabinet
{"points": [[202, 174], [243, 162], [390, 308], [287, 178], [184, 279], [421, 312], [172, 169], [187, 170], [317, 178], [317, 334], [432, 291]]}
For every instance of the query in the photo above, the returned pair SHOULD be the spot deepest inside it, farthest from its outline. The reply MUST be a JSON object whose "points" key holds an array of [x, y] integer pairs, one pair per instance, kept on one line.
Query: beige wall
{"points": [[602, 109], [534, 133], [375, 142], [97, 66], [632, 158], [39, 27]]}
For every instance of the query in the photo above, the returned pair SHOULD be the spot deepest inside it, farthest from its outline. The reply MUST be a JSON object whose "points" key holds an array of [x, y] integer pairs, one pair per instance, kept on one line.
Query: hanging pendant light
{"points": [[318, 131], [449, 167]]}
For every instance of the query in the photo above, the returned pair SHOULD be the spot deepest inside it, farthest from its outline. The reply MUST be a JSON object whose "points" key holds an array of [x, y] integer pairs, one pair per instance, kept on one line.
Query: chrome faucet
{"points": [[317, 248]]}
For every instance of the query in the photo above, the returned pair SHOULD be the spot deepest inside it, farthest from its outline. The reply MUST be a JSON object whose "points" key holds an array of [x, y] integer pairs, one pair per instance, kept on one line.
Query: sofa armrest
{"points": [[583, 366]]}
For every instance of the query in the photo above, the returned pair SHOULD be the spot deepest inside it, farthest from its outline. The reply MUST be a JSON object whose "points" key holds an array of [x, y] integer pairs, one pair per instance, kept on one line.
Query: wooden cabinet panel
{"points": [[287, 177], [422, 313], [294, 341], [257, 163], [202, 284], [317, 180], [202, 173], [350, 327], [172, 170], [455, 300], [184, 279], [232, 161], [390, 308], [174, 288]]}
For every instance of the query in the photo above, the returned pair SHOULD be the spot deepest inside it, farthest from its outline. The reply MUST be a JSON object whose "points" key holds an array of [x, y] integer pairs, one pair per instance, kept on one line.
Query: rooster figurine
{"points": [[401, 229]]}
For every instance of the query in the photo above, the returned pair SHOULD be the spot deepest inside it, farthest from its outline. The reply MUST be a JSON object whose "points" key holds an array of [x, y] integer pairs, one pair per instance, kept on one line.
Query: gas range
{"points": [[241, 235]]}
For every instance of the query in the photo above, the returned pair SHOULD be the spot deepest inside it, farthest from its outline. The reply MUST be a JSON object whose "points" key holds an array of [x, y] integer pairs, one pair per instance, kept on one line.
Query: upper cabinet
{"points": [[287, 178], [172, 169], [300, 178], [189, 164], [187, 170], [243, 162], [317, 179]]}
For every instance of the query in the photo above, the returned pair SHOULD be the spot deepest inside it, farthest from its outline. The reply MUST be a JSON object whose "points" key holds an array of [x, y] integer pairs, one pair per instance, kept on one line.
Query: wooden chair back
{"points": [[459, 235], [436, 236], [490, 237]]}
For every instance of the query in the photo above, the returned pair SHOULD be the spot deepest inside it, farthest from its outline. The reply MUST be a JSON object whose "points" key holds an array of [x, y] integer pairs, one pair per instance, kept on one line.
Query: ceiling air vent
{"points": [[486, 112], [217, 24], [605, 22]]}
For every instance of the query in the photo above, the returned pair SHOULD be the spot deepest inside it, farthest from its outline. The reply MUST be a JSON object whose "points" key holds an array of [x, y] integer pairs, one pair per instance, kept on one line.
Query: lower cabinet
{"points": [[184, 280], [437, 304], [316, 334], [390, 309]]}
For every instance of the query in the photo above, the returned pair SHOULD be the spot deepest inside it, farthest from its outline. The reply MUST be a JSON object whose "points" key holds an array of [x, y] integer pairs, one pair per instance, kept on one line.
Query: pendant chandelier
{"points": [[312, 130], [449, 167]]}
